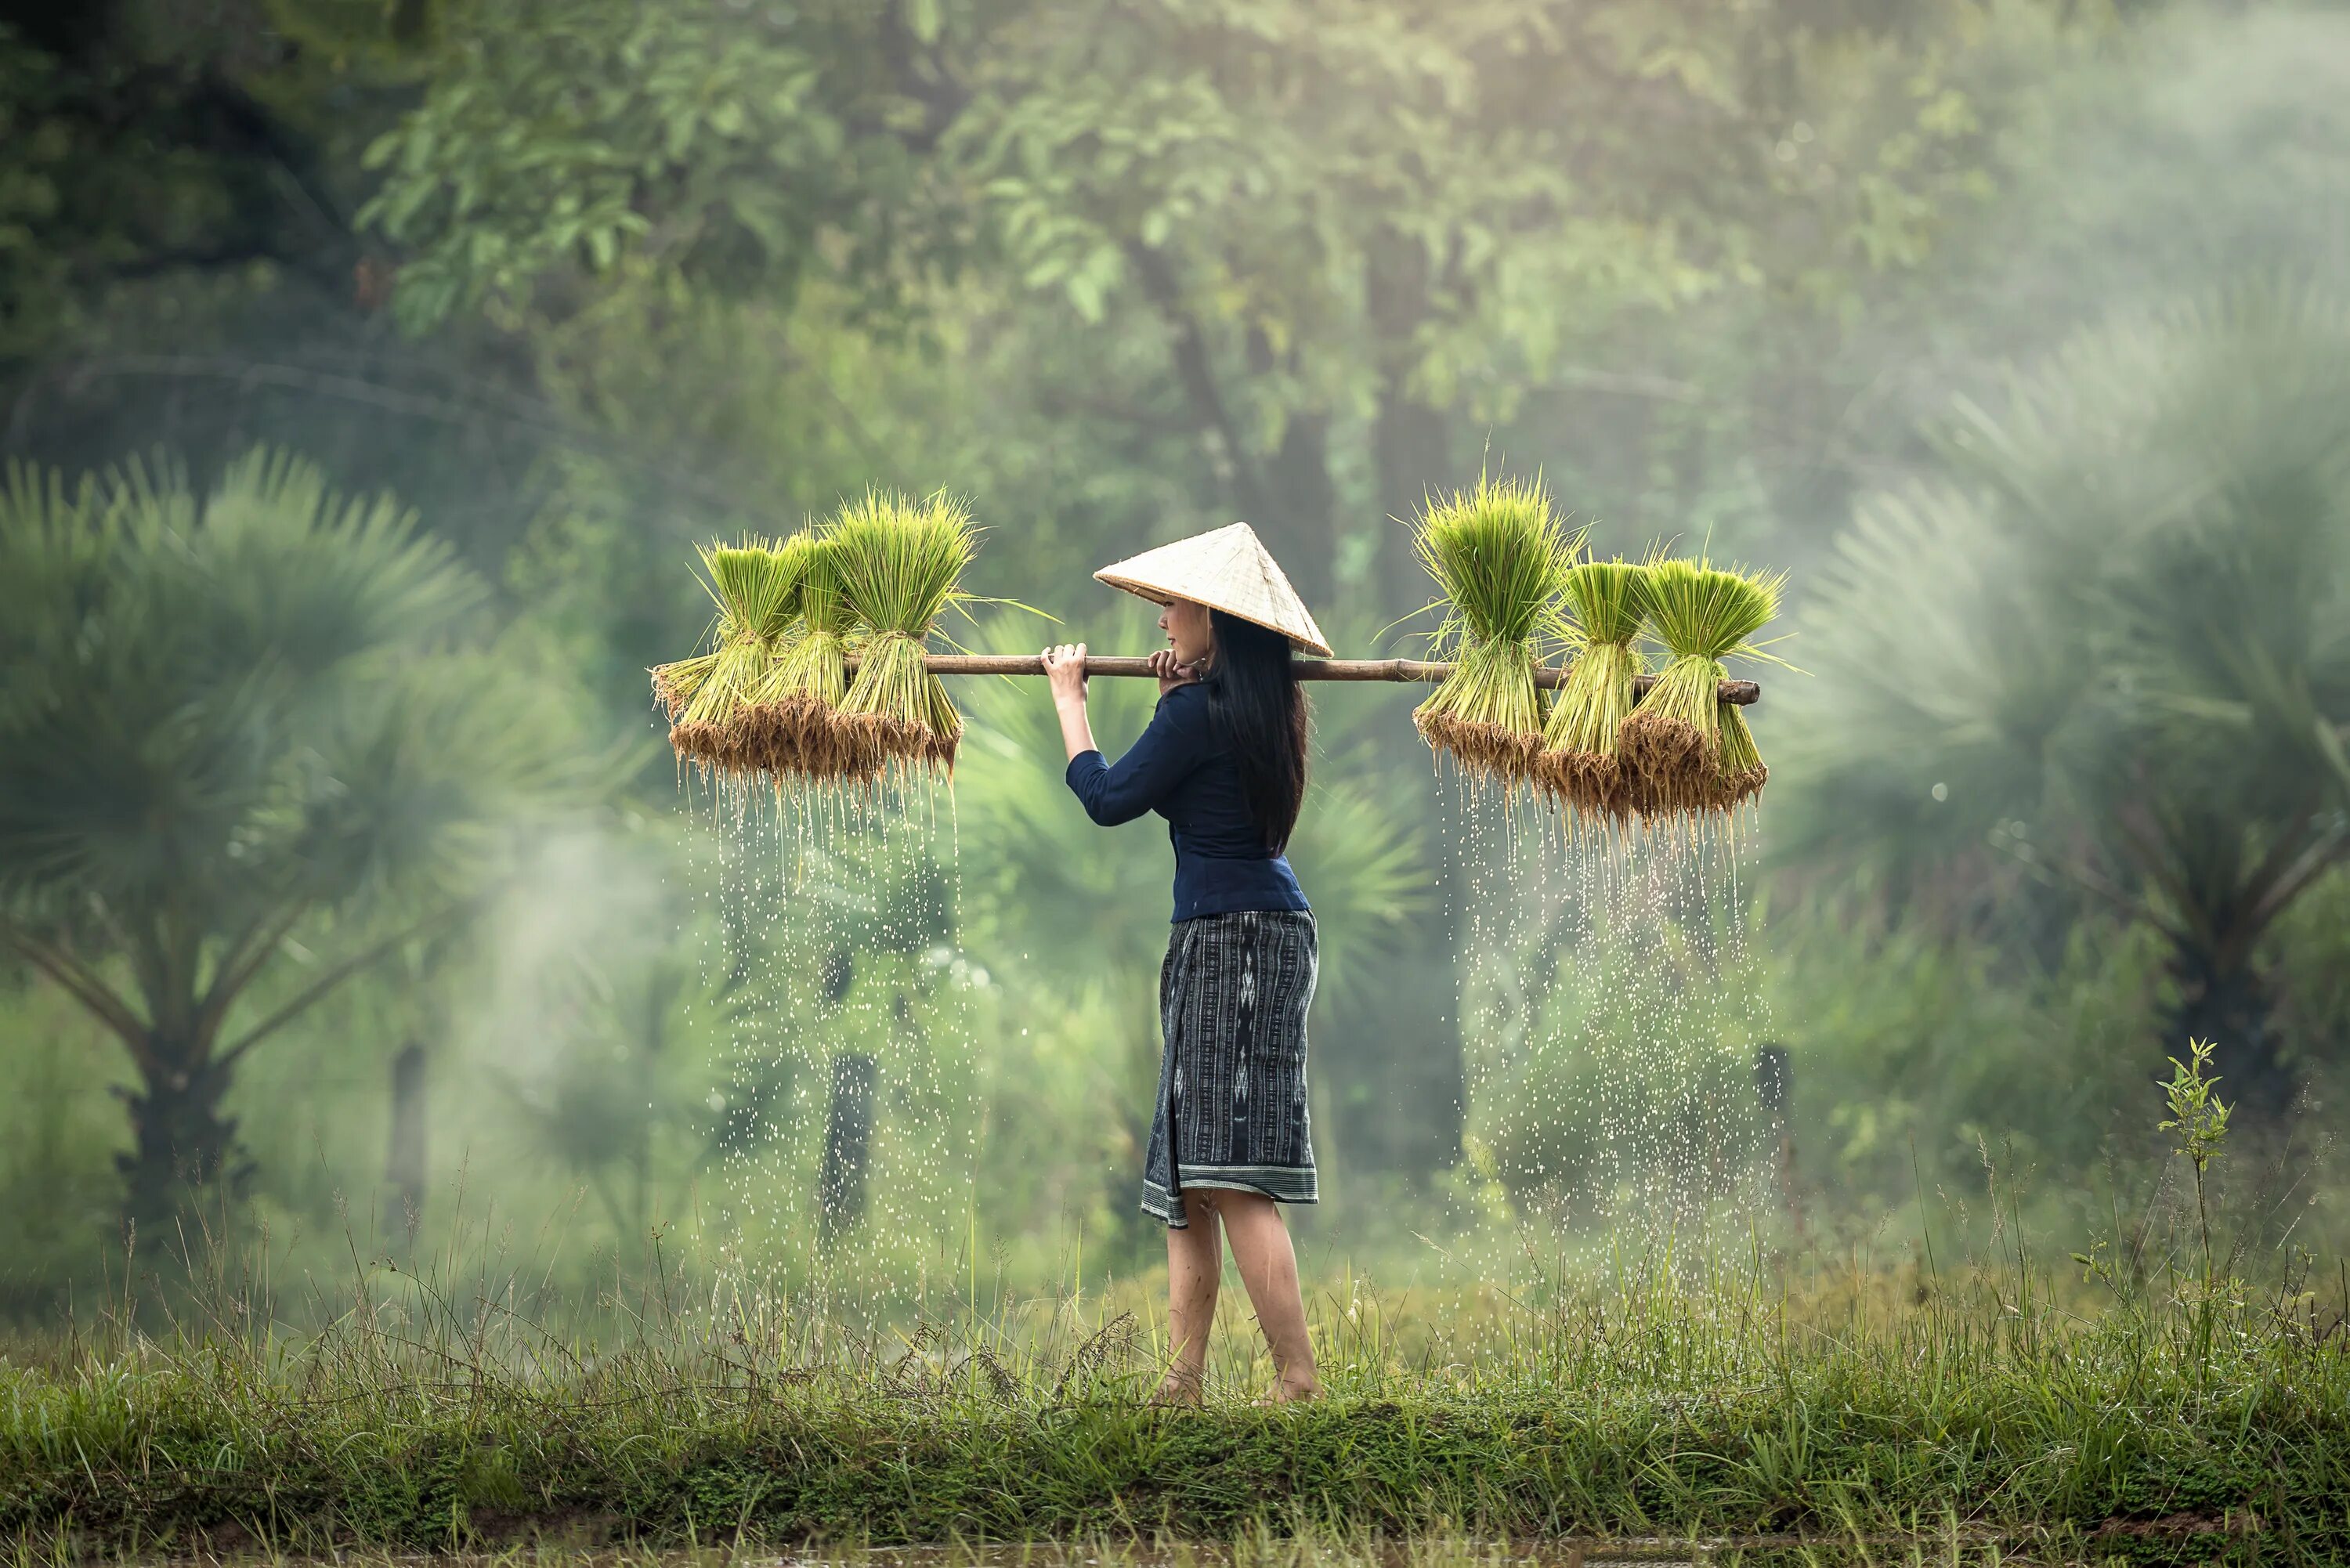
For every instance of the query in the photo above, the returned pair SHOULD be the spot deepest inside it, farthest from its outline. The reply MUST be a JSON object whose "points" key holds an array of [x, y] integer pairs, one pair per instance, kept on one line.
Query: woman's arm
{"points": [[1158, 761], [1065, 668]]}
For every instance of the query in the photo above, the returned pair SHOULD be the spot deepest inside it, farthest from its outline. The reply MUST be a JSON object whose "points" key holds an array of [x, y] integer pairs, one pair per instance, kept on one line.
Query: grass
{"points": [[1499, 556], [2154, 1407], [1691, 751], [1254, 1549], [1250, 1549], [1974, 1407]]}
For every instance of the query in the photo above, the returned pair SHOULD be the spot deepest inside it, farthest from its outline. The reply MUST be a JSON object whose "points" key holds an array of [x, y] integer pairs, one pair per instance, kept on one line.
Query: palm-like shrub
{"points": [[229, 722], [2113, 639]]}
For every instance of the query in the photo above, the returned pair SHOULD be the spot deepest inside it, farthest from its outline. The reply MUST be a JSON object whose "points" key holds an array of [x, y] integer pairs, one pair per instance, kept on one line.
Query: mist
{"points": [[1764, 317]]}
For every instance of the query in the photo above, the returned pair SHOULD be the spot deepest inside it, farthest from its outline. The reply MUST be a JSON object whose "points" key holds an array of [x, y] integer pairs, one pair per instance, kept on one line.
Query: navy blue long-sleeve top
{"points": [[1180, 770]]}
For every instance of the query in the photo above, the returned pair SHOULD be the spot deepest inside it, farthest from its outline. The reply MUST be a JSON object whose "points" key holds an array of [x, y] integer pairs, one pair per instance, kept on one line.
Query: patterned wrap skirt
{"points": [[1232, 997]]}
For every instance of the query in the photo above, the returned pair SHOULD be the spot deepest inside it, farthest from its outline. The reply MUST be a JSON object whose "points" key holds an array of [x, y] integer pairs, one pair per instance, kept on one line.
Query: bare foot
{"points": [[1178, 1389], [1288, 1393]]}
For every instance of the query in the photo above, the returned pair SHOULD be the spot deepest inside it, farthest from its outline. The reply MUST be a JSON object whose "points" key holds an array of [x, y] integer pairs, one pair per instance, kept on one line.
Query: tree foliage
{"points": [[741, 148], [1337, 218]]}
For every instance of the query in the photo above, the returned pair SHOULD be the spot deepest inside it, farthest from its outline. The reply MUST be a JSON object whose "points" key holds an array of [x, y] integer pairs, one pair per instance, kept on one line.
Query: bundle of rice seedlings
{"points": [[771, 726], [1741, 773], [1577, 764], [674, 684], [801, 700], [1499, 556], [900, 562], [712, 699], [1691, 751]]}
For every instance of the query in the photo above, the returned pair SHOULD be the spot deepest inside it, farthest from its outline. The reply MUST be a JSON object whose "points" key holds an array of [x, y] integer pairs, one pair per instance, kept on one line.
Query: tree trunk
{"points": [[405, 1154], [1412, 451], [1303, 528], [848, 1135], [182, 1142], [1410, 440], [2229, 1004], [1300, 523]]}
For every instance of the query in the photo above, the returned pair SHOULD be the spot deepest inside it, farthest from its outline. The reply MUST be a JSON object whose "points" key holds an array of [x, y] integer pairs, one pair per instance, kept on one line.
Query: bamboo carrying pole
{"points": [[1744, 693]]}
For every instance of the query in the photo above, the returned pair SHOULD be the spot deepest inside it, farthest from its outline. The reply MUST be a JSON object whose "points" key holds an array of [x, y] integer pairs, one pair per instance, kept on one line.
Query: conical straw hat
{"points": [[1229, 569]]}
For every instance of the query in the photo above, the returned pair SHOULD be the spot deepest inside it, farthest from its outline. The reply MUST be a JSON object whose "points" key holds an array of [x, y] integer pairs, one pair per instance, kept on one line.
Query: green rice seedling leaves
{"points": [[900, 562], [773, 727], [1691, 751], [1500, 556], [1578, 764], [811, 677], [756, 583]]}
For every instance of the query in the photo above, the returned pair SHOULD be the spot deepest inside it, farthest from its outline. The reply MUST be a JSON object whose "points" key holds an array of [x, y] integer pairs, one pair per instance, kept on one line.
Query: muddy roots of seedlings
{"points": [[1488, 715], [1673, 757], [781, 733], [1591, 784], [1674, 767], [706, 698], [1481, 750]]}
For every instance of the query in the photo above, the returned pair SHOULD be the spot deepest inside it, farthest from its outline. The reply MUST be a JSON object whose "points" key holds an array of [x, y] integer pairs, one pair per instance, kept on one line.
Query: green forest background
{"points": [[339, 841]]}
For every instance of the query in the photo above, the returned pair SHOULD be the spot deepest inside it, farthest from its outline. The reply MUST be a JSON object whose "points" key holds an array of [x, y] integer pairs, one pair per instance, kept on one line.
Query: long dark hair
{"points": [[1259, 712]]}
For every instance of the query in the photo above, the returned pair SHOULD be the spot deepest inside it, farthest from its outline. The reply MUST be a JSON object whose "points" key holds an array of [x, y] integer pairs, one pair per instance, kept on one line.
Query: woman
{"points": [[1223, 761]]}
